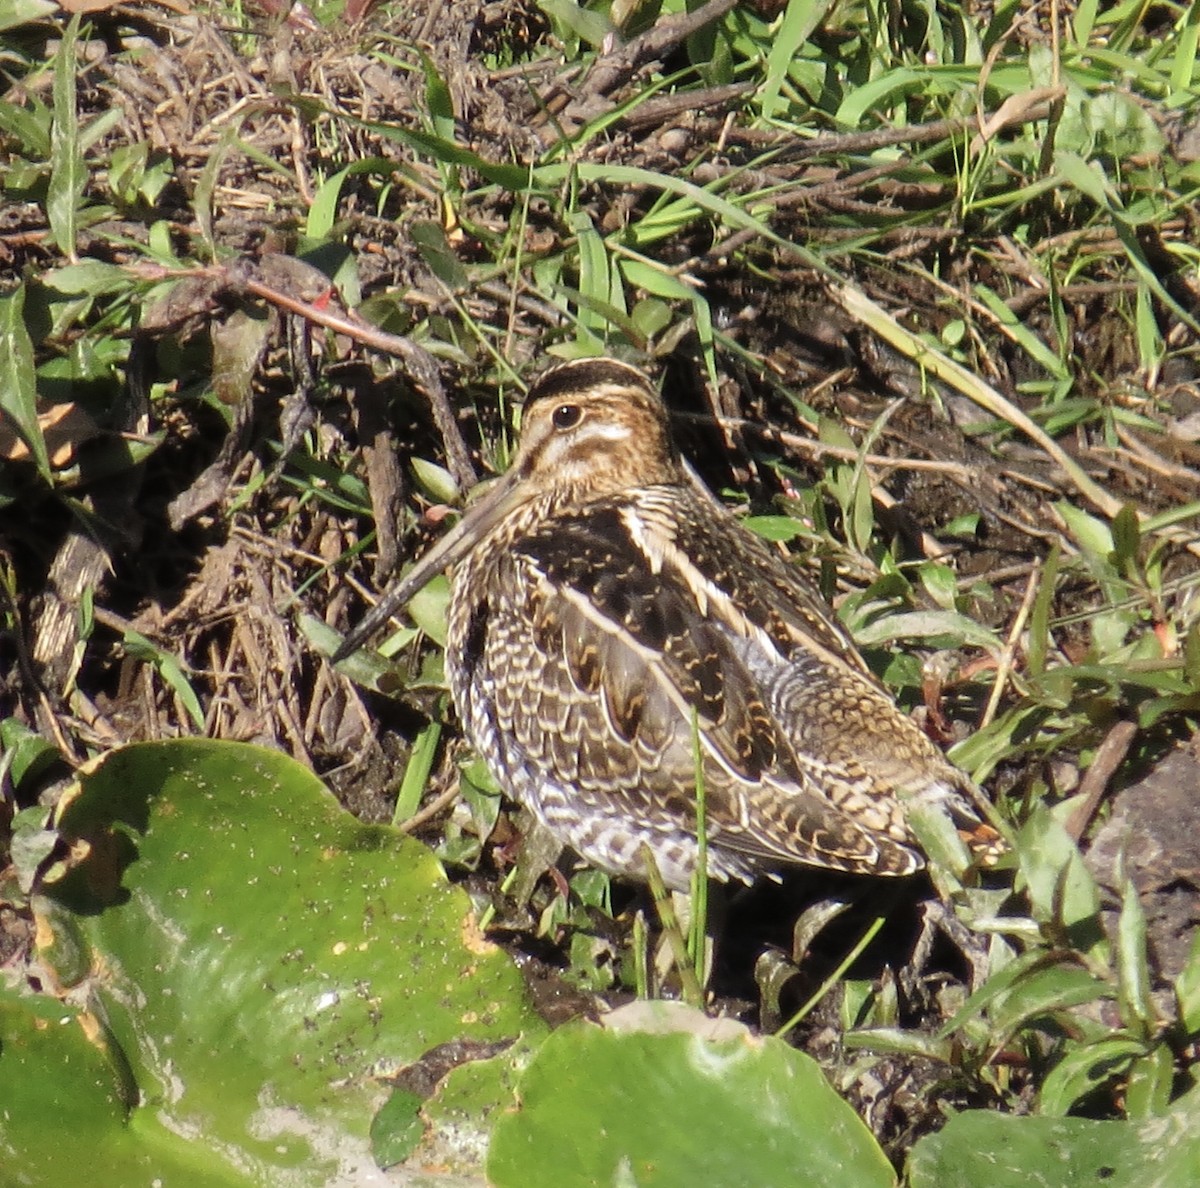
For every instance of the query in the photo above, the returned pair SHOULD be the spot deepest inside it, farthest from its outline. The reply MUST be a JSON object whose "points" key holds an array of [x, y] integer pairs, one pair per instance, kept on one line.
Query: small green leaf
{"points": [[1083, 1069], [1187, 990], [1089, 533], [24, 754], [1039, 616], [1041, 994], [416, 772], [591, 27], [1126, 536], [30, 844], [776, 528], [436, 252], [170, 669], [397, 1128], [322, 214], [88, 276], [14, 13], [1062, 892], [437, 100], [434, 480], [595, 283], [800, 19], [651, 316], [1150, 1083], [961, 629], [656, 279], [1133, 967], [940, 584], [428, 609]]}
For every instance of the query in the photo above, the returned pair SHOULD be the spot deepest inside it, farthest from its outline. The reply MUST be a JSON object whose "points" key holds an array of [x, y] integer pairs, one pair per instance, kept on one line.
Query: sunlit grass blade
{"points": [[18, 392], [67, 173], [417, 771], [800, 18]]}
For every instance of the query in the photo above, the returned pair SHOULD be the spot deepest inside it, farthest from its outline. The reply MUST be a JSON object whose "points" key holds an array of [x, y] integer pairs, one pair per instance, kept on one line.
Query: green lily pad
{"points": [[982, 1147], [66, 1105], [261, 959], [597, 1107]]}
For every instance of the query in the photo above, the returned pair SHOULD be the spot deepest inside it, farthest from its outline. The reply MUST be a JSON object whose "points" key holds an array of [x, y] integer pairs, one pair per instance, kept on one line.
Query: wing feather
{"points": [[632, 638]]}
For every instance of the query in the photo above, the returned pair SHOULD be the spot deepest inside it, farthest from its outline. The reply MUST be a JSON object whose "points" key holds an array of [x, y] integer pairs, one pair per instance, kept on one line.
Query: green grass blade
{"points": [[698, 925], [1183, 64], [18, 394], [171, 671], [416, 774], [799, 21], [67, 174], [863, 309]]}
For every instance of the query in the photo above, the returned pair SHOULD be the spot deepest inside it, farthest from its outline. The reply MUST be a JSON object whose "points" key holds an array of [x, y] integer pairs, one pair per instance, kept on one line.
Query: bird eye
{"points": [[567, 416]]}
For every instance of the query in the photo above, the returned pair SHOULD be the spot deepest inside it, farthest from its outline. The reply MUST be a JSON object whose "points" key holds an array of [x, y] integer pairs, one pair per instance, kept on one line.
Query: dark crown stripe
{"points": [[575, 378]]}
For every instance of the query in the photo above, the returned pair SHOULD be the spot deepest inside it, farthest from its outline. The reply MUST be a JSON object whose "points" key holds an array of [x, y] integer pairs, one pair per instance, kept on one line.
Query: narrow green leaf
{"points": [[594, 281], [1040, 995], [92, 277], [323, 213], [438, 100], [436, 251], [1149, 338], [1183, 64], [416, 773], [940, 584], [1093, 535], [1062, 892], [171, 671], [1083, 22], [654, 278], [1082, 1070], [434, 480], [1088, 178], [1039, 615], [206, 184], [512, 177], [30, 127], [18, 393], [799, 20], [778, 528], [14, 13], [1126, 536], [900, 1041], [1133, 967], [67, 174], [1150, 1083], [1015, 329], [590, 27], [926, 624], [1187, 990]]}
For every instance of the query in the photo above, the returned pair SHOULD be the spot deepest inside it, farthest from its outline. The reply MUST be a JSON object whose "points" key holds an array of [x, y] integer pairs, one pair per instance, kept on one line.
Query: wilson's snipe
{"points": [[605, 612]]}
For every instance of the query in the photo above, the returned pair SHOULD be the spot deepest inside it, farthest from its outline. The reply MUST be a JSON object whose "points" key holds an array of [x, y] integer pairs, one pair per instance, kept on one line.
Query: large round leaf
{"points": [[261, 957], [985, 1148], [602, 1108], [64, 1107]]}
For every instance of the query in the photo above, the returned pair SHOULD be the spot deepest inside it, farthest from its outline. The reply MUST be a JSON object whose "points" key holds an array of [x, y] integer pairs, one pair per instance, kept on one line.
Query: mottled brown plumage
{"points": [[604, 607]]}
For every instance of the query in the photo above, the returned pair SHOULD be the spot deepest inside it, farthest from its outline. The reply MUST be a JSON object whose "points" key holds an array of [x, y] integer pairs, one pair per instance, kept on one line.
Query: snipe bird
{"points": [[606, 612]]}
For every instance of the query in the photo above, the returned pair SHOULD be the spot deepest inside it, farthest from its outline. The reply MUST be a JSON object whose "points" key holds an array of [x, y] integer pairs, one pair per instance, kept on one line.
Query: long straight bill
{"points": [[477, 521]]}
